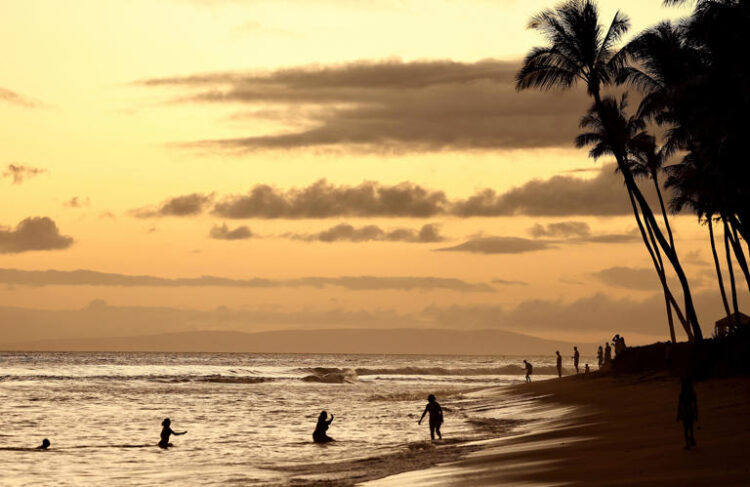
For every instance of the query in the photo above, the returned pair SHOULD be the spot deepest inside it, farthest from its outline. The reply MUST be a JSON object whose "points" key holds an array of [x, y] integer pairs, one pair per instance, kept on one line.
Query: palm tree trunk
{"points": [[739, 254], [650, 221], [729, 267], [655, 177], [718, 266], [659, 266]]}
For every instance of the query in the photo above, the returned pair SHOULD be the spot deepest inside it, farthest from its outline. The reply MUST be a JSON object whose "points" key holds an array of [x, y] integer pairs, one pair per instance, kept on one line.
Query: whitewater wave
{"points": [[504, 370], [331, 375]]}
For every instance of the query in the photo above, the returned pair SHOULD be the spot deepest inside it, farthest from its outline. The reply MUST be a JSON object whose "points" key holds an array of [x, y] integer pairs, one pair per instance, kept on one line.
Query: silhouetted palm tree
{"points": [[579, 49]]}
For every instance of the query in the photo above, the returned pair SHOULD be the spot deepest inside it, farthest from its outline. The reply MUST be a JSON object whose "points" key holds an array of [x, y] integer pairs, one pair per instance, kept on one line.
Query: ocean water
{"points": [[249, 417]]}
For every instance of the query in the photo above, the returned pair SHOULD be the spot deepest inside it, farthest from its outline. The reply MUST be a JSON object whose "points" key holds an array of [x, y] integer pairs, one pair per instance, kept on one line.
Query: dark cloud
{"points": [[34, 233], [19, 173], [499, 245], [187, 205], [561, 230], [345, 232], [325, 200], [641, 279], [14, 98], [602, 195], [393, 106], [77, 202], [223, 232], [359, 283]]}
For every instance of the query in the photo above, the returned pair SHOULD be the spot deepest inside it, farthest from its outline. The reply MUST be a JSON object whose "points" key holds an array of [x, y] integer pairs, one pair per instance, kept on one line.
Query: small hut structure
{"points": [[725, 325]]}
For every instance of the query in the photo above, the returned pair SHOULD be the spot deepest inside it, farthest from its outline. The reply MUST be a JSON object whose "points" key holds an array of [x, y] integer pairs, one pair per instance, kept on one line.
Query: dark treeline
{"points": [[688, 133]]}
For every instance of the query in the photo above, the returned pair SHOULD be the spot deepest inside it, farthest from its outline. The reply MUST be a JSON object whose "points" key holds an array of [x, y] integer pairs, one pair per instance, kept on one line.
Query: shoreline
{"points": [[607, 431]]}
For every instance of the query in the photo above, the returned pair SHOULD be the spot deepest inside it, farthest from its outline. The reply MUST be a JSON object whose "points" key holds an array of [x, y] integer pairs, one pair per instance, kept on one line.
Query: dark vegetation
{"points": [[687, 134]]}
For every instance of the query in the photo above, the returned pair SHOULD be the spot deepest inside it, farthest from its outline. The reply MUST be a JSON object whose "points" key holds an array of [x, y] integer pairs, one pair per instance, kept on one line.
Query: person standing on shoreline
{"points": [[576, 358], [607, 354], [529, 370], [687, 411], [600, 356], [559, 364], [436, 416]]}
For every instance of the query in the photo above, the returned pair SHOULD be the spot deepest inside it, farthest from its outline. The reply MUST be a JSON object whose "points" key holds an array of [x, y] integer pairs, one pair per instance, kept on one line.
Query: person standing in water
{"points": [[436, 416], [687, 411], [576, 358], [166, 431], [529, 370], [559, 364], [320, 434]]}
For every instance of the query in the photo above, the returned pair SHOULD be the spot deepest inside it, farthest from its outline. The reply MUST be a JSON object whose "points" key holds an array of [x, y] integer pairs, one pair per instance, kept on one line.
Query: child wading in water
{"points": [[320, 434], [165, 432], [436, 416]]}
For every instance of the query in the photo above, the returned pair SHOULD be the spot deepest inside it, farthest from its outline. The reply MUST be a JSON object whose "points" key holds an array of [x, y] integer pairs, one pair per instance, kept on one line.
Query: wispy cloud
{"points": [[388, 106], [499, 245], [223, 232], [17, 99], [20, 173], [429, 233]]}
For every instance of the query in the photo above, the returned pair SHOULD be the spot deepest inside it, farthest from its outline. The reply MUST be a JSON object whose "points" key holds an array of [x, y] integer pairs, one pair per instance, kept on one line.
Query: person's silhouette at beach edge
{"points": [[436, 416]]}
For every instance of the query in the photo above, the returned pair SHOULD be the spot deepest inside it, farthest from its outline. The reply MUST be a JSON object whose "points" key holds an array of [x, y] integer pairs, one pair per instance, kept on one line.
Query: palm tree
{"points": [[579, 49], [626, 132]]}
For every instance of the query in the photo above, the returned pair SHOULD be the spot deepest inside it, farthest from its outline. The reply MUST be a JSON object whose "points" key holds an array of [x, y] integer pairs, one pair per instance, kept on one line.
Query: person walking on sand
{"points": [[320, 435], [576, 358], [436, 416], [529, 370], [600, 356], [166, 431], [687, 411], [559, 364]]}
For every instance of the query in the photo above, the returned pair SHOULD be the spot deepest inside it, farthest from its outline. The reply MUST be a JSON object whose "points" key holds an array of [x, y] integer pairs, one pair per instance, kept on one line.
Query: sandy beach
{"points": [[608, 431]]}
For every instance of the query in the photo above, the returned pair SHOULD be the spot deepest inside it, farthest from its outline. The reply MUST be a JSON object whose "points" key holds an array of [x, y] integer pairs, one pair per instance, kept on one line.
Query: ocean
{"points": [[249, 417]]}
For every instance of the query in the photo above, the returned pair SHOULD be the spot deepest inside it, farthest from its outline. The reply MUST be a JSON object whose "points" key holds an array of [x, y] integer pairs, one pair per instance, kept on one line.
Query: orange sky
{"points": [[108, 103]]}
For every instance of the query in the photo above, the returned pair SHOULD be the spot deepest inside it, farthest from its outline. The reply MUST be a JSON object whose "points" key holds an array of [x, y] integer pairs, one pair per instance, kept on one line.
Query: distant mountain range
{"points": [[357, 341]]}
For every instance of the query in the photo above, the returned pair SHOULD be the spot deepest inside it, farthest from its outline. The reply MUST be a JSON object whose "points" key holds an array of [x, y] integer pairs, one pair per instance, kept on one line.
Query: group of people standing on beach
{"points": [[603, 356]]}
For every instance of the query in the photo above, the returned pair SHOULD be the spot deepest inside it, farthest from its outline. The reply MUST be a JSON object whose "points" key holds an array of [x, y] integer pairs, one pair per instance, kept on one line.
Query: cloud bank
{"points": [[34, 233], [344, 232], [357, 283], [391, 105]]}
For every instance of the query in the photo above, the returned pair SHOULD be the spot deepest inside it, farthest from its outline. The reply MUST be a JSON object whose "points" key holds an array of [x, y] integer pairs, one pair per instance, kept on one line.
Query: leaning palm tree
{"points": [[579, 49], [626, 132]]}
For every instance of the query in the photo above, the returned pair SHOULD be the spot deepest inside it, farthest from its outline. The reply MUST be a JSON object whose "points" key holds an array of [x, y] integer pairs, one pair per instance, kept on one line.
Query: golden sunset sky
{"points": [[176, 139]]}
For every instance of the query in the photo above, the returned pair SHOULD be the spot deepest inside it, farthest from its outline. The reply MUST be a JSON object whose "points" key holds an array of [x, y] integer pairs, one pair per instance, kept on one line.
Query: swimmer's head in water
{"points": [[431, 398], [166, 422], [45, 443]]}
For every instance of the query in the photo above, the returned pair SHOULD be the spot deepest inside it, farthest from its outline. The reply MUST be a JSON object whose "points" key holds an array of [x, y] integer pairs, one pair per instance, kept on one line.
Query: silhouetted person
{"points": [[529, 370], [166, 431], [607, 353], [45, 444], [619, 343], [586, 369], [559, 363], [687, 411], [600, 356], [436, 416], [576, 358], [320, 434]]}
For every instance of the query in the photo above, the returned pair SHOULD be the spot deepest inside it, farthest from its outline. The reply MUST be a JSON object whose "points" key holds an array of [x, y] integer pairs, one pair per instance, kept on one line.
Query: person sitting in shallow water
{"points": [[166, 431], [320, 434], [436, 416], [45, 444]]}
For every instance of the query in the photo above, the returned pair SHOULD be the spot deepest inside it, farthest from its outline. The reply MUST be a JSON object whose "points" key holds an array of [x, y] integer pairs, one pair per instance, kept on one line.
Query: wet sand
{"points": [[604, 431]]}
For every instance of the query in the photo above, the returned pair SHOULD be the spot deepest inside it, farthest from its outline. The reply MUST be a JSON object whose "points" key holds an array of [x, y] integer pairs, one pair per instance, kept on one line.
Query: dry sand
{"points": [[605, 431]]}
